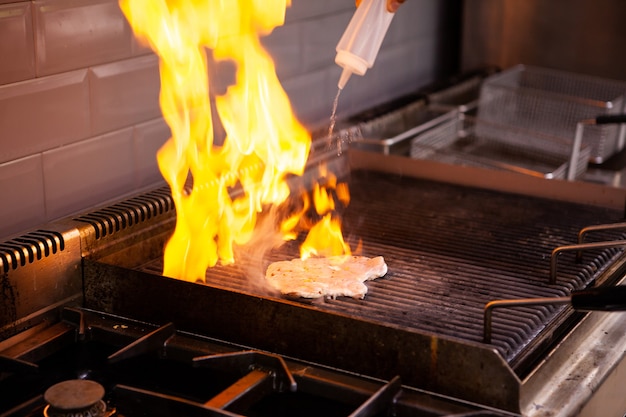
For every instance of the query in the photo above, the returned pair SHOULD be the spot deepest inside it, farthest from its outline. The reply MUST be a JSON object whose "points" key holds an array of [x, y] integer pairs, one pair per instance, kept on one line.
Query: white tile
{"points": [[139, 48], [222, 74], [21, 185], [415, 19], [147, 139], [307, 9], [71, 34], [311, 97], [124, 93], [406, 67], [320, 38], [17, 47], [284, 44], [398, 71], [43, 113], [88, 173]]}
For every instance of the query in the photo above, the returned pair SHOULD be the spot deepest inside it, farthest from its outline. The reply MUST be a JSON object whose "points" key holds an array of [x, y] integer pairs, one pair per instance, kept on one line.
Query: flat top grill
{"points": [[450, 250]]}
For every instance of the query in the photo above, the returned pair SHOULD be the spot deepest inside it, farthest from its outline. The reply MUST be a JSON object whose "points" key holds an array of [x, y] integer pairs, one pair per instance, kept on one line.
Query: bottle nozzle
{"points": [[345, 76]]}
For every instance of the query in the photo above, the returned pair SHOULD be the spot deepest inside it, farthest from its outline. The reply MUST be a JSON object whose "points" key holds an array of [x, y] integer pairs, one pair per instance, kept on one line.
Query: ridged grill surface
{"points": [[450, 250]]}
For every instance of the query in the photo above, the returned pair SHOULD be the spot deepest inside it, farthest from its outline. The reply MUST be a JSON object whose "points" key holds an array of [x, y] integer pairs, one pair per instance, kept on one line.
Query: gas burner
{"points": [[76, 398]]}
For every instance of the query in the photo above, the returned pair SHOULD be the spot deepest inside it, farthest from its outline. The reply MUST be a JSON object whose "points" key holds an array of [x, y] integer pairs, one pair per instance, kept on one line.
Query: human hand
{"points": [[392, 5]]}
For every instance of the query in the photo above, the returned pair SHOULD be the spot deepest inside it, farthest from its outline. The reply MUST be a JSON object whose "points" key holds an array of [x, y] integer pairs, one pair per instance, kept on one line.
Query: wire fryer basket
{"points": [[553, 102], [464, 140]]}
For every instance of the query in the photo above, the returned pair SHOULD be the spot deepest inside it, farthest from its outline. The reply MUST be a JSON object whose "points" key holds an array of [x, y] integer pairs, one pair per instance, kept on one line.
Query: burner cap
{"points": [[75, 394]]}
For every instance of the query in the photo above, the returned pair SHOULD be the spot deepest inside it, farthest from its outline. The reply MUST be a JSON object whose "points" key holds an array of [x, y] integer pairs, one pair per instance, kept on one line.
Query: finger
{"points": [[393, 5]]}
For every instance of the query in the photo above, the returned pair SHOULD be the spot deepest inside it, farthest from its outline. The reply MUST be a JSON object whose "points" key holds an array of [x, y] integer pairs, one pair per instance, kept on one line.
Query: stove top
{"points": [[84, 300], [144, 370]]}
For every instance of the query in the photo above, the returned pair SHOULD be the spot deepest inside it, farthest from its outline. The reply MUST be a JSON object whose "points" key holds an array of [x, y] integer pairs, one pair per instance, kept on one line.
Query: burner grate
{"points": [[135, 369]]}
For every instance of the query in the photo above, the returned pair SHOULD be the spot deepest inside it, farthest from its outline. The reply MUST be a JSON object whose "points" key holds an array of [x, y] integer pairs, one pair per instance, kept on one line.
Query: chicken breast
{"points": [[325, 277]]}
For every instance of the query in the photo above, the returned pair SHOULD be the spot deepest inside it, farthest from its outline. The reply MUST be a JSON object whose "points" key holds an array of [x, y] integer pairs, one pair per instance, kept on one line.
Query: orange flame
{"points": [[325, 237], [264, 140]]}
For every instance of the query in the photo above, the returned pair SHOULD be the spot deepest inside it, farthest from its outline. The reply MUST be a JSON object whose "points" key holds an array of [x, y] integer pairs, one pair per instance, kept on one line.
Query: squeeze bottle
{"points": [[359, 45]]}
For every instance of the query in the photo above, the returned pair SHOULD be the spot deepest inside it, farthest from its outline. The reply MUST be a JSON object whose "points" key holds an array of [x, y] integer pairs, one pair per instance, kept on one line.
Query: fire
{"points": [[235, 180], [325, 237]]}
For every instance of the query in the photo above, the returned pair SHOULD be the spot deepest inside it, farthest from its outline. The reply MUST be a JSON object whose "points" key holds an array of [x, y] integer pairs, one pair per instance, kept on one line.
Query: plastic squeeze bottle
{"points": [[359, 45]]}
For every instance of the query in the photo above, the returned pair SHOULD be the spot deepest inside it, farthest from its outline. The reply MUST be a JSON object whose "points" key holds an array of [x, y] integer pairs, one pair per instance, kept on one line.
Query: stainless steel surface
{"points": [[391, 133], [581, 376], [591, 193], [603, 148], [521, 149], [39, 271], [390, 130], [463, 140], [554, 102], [461, 96], [570, 35]]}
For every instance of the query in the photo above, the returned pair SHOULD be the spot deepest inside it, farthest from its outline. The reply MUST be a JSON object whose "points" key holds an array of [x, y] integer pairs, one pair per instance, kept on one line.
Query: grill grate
{"points": [[450, 250]]}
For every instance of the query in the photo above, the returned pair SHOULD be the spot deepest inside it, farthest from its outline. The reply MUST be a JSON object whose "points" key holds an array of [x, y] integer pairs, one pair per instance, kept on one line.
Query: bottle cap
{"points": [[354, 63]]}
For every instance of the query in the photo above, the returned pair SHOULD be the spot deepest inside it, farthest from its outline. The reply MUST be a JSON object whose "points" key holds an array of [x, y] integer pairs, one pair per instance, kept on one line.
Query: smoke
{"points": [[252, 258]]}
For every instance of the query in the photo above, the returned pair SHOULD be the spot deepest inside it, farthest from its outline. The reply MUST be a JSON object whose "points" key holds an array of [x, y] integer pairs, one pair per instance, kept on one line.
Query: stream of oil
{"points": [[333, 121]]}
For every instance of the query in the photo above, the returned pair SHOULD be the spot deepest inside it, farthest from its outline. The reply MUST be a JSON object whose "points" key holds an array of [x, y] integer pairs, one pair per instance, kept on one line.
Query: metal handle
{"points": [[610, 119], [596, 228], [578, 248], [592, 299], [600, 299], [492, 305]]}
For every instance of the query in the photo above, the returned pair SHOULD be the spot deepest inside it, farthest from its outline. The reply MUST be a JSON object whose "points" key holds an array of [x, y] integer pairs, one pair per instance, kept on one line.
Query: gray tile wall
{"points": [[79, 117]]}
